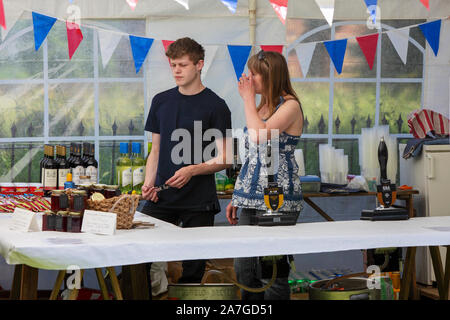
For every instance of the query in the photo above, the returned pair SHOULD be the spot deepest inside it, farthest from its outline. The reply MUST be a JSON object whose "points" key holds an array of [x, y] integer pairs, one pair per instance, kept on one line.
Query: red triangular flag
{"points": [[74, 37], [167, 43], [132, 3], [426, 3], [2, 15], [368, 45], [278, 49]]}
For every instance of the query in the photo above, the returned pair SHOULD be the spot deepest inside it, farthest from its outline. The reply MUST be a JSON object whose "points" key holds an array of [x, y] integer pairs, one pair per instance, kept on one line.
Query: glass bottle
{"points": [[138, 167], [41, 165], [50, 173], [63, 167], [123, 169], [77, 165], [233, 172], [91, 164]]}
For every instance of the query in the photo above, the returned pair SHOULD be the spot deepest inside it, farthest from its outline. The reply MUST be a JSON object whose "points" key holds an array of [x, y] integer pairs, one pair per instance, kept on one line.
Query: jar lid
{"points": [[79, 192], [63, 213], [74, 214], [58, 192], [99, 186], [112, 187]]}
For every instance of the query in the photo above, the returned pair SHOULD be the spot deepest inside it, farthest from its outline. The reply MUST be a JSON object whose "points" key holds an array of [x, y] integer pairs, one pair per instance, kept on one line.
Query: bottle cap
{"points": [[124, 147], [136, 147], [69, 177]]}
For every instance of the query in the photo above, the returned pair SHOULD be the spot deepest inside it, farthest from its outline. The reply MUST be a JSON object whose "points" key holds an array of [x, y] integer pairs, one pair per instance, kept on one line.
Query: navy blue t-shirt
{"points": [[171, 110]]}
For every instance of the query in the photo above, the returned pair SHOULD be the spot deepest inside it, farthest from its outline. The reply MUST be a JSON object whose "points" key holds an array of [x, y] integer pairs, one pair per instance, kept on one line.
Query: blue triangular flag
{"points": [[230, 4], [140, 47], [239, 56], [336, 50], [432, 32], [41, 26], [372, 6]]}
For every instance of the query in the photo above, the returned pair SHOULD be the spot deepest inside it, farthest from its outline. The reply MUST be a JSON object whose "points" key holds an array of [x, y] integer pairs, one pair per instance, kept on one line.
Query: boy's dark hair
{"points": [[186, 46]]}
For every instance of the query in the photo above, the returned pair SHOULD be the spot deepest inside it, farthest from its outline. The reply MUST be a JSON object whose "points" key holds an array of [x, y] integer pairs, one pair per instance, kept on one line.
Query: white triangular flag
{"points": [[12, 14], [108, 44], [184, 3], [210, 53], [400, 40], [327, 8], [305, 52]]}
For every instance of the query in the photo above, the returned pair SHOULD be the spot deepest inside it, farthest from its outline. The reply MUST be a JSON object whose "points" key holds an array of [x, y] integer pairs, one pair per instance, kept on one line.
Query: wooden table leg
{"points": [[28, 283], [57, 286], [14, 294], [102, 284], [115, 283], [135, 284], [408, 271], [438, 270], [317, 208]]}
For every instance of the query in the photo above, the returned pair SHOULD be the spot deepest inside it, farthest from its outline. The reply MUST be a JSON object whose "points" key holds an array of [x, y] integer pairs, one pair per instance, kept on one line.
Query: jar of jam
{"points": [[48, 221], [86, 187], [99, 188], [74, 221], [61, 221], [59, 200], [79, 201], [111, 191]]}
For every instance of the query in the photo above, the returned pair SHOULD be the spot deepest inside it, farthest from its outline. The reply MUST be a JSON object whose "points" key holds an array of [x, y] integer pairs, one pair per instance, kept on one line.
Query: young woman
{"points": [[279, 116]]}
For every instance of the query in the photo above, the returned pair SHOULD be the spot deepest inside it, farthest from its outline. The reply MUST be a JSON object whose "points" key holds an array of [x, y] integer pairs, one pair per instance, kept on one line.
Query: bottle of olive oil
{"points": [[124, 169], [138, 167]]}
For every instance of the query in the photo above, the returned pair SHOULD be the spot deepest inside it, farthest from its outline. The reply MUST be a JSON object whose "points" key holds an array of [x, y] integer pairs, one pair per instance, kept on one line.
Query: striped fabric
{"points": [[423, 121]]}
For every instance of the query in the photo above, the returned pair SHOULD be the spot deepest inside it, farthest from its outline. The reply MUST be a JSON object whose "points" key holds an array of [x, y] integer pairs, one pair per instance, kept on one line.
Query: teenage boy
{"points": [[190, 107]]}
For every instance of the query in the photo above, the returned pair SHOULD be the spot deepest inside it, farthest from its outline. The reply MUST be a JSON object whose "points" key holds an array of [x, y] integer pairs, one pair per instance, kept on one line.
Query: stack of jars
{"points": [[66, 214]]}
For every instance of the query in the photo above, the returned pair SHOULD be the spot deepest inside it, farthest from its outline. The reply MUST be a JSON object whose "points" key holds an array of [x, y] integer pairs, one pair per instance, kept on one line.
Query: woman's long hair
{"points": [[276, 82]]}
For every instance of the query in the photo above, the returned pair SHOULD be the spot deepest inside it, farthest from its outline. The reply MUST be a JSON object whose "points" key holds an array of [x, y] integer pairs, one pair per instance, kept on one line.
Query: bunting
{"points": [[327, 8], [140, 47], [74, 37], [368, 45], [305, 53], [372, 7], [210, 54], [432, 32], [426, 3], [184, 3], [167, 43], [277, 48], [2, 15], [132, 4], [239, 56], [336, 50], [41, 27], [400, 41], [230, 4], [108, 43], [280, 7]]}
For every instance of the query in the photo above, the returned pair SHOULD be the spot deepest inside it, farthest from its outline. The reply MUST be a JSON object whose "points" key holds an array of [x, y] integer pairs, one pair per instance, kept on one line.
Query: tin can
{"points": [[21, 188], [7, 188]]}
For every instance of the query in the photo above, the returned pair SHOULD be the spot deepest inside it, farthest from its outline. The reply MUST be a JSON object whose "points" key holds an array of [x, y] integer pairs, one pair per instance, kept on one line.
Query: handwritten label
{"points": [[24, 221], [99, 222]]}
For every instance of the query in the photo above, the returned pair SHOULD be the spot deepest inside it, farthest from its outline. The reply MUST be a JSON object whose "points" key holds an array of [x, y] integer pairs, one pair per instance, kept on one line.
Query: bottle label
{"points": [[125, 176], [50, 179], [62, 177], [138, 175], [92, 172], [76, 173]]}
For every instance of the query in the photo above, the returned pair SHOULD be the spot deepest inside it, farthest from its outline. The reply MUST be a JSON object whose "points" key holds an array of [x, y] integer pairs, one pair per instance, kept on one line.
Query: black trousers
{"points": [[193, 270]]}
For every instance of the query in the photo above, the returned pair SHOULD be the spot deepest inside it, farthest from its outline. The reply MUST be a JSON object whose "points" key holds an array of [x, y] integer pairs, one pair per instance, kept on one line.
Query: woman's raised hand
{"points": [[246, 87]]}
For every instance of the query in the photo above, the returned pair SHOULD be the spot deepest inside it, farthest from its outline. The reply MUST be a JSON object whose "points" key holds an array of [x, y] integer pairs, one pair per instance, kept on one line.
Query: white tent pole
{"points": [[252, 23]]}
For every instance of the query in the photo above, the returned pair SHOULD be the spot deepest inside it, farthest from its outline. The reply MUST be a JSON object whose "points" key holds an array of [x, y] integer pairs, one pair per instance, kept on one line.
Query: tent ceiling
{"points": [[344, 9]]}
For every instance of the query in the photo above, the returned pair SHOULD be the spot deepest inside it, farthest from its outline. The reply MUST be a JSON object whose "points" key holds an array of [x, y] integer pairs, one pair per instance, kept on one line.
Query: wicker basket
{"points": [[124, 206]]}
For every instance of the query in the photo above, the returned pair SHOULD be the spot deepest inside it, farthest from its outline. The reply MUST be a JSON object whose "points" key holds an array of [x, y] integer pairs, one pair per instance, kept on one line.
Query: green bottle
{"points": [[123, 169], [149, 150], [138, 167]]}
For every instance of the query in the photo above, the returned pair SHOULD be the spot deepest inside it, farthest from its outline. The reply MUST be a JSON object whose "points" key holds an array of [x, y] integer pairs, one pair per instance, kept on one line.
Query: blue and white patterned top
{"points": [[253, 177]]}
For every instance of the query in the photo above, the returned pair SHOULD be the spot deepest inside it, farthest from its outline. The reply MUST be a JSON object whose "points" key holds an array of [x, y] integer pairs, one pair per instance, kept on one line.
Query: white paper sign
{"points": [[24, 221], [99, 222]]}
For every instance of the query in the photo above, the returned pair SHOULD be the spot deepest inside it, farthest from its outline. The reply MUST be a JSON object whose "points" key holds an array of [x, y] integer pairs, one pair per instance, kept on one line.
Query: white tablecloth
{"points": [[165, 242]]}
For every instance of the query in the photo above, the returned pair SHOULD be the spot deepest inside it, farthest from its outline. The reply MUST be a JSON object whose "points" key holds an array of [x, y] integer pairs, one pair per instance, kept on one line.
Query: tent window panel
{"points": [[397, 100], [22, 109], [121, 104], [18, 58], [314, 97], [71, 109], [59, 64], [353, 107]]}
